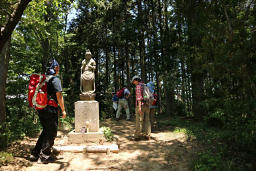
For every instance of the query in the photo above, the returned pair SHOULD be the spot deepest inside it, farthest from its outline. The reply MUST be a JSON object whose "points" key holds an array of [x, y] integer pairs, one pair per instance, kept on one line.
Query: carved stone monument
{"points": [[87, 81], [87, 109]]}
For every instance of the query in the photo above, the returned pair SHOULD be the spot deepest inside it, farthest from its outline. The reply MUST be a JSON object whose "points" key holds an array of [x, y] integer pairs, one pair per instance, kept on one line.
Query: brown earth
{"points": [[167, 150]]}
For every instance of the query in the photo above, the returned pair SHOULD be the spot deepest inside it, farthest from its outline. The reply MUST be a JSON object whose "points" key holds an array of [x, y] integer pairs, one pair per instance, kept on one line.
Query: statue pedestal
{"points": [[81, 138], [87, 96], [86, 123]]}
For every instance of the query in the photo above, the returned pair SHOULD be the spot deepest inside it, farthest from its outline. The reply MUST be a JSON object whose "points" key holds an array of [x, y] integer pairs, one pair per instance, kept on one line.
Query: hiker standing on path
{"points": [[153, 106], [49, 117], [123, 95], [143, 126]]}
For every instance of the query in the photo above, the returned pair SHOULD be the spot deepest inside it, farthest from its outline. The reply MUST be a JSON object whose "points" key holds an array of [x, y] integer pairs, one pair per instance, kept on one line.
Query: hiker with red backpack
{"points": [[123, 95], [45, 98], [143, 99]]}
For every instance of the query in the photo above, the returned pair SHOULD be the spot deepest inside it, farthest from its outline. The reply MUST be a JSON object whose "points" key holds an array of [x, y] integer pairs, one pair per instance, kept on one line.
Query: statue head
{"points": [[88, 54]]}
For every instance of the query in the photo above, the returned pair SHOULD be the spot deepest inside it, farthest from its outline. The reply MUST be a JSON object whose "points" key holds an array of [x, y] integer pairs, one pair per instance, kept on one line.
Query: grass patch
{"points": [[183, 130]]}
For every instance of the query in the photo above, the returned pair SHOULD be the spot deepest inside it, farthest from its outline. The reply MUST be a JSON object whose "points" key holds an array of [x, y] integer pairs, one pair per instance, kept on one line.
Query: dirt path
{"points": [[166, 151]]}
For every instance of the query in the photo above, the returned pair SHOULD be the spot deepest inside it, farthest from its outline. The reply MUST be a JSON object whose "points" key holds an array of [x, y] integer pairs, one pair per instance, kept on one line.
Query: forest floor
{"points": [[167, 150]]}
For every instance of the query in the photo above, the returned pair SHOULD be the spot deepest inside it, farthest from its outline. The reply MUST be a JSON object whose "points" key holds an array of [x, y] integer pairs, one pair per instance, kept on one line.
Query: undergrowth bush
{"points": [[225, 149], [108, 134]]}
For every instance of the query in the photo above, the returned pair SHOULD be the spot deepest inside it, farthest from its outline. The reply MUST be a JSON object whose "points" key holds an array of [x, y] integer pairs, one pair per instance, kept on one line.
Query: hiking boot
{"points": [[33, 157], [46, 161]]}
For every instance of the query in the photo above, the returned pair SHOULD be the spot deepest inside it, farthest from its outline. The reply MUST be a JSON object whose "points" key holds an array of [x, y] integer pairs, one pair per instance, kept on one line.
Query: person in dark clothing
{"points": [[115, 102], [49, 116]]}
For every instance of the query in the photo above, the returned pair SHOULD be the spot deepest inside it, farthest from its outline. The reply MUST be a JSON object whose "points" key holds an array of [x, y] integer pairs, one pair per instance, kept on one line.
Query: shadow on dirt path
{"points": [[167, 150]]}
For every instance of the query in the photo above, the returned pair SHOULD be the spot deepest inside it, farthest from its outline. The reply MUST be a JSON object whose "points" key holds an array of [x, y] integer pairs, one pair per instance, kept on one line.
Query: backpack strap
{"points": [[48, 79]]}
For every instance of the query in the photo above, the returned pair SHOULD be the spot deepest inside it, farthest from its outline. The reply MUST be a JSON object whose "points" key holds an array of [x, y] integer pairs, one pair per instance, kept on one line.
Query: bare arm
{"points": [[139, 105], [61, 103]]}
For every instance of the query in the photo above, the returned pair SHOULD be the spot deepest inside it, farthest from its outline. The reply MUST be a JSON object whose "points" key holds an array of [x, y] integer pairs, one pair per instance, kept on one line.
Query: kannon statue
{"points": [[87, 85]]}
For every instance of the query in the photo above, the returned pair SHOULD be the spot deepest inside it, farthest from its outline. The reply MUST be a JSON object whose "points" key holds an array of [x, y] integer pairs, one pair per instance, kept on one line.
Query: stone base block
{"points": [[88, 148], [87, 112], [88, 96], [80, 138]]}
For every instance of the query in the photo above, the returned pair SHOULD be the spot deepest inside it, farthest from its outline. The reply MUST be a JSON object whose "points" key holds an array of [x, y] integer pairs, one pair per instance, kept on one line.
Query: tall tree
{"points": [[4, 57], [12, 21], [141, 37], [5, 34]]}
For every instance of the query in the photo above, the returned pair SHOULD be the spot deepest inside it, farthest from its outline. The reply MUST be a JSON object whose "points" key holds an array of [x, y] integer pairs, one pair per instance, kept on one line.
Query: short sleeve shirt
{"points": [[54, 86]]}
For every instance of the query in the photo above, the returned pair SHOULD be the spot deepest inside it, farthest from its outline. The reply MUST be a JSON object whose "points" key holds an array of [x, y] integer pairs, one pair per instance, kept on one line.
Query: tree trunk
{"points": [[155, 55], [127, 50], [133, 101], [194, 63], [115, 75], [141, 43], [4, 58], [197, 90], [46, 49], [107, 67], [161, 31], [128, 84], [169, 97], [119, 69], [15, 17]]}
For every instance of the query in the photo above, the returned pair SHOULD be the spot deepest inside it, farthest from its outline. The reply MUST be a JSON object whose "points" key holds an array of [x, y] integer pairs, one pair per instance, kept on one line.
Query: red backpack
{"points": [[37, 92], [120, 93]]}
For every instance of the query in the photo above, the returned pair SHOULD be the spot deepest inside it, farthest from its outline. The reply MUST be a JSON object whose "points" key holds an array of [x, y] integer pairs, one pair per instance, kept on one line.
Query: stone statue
{"points": [[87, 85]]}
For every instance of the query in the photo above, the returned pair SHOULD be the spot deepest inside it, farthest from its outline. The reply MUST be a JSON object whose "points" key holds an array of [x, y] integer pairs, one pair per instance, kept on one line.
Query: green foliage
{"points": [[66, 124], [6, 7], [203, 52], [108, 134], [208, 161], [106, 105], [39, 36], [180, 108], [222, 149], [20, 117], [20, 120]]}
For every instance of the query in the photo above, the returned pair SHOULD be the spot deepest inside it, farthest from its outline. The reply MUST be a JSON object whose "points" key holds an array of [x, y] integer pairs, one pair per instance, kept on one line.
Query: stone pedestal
{"points": [[86, 123], [81, 138], [87, 111], [87, 96]]}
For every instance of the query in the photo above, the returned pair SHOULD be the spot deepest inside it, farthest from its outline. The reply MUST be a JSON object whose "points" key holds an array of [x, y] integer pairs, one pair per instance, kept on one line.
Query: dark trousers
{"points": [[49, 120]]}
